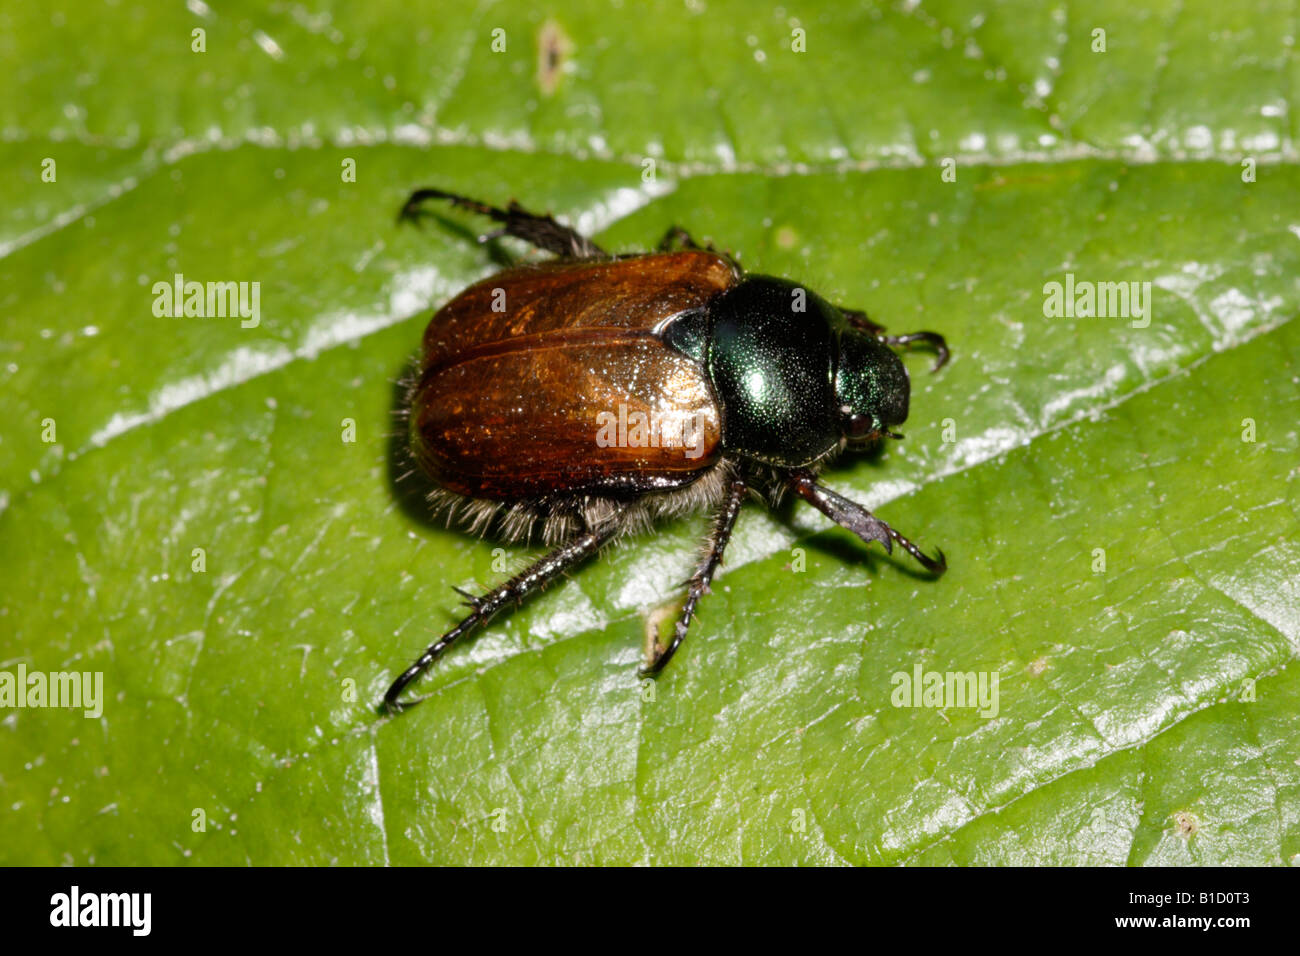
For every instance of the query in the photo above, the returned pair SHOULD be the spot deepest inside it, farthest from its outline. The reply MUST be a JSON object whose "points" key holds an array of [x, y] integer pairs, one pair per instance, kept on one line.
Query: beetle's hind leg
{"points": [[541, 231], [484, 608], [724, 521], [858, 319]]}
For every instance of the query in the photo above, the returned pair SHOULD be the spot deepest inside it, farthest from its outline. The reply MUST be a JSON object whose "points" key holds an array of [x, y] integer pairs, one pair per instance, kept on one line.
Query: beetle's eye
{"points": [[859, 426]]}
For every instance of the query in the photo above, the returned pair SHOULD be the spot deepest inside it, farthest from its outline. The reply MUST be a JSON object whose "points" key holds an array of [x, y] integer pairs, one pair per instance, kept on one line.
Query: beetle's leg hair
{"points": [[541, 231], [716, 543], [532, 579], [854, 517], [858, 319]]}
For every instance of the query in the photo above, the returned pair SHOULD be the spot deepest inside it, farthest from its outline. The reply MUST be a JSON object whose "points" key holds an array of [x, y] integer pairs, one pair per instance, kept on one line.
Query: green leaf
{"points": [[1123, 559]]}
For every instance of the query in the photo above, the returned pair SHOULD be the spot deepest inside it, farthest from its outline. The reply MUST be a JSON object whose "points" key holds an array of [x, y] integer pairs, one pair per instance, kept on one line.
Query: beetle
{"points": [[586, 396]]}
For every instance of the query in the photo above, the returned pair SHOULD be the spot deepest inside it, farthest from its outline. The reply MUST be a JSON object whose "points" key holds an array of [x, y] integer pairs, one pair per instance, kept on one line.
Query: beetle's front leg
{"points": [[851, 515], [858, 319]]}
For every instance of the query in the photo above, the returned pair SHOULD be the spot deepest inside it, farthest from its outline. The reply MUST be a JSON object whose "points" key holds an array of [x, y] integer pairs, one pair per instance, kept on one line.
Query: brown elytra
{"points": [[581, 341]]}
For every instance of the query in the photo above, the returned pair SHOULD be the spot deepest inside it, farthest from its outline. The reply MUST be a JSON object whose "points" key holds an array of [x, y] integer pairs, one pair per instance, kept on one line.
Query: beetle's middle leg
{"points": [[531, 579], [541, 231], [723, 522], [858, 319]]}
